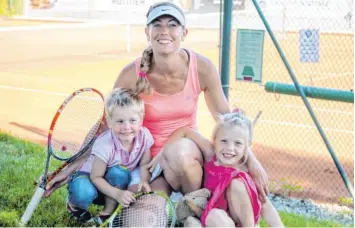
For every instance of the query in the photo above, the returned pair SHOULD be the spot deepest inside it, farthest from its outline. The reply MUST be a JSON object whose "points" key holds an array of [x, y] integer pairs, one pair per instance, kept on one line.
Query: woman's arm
{"points": [[210, 84], [258, 174], [203, 144]]}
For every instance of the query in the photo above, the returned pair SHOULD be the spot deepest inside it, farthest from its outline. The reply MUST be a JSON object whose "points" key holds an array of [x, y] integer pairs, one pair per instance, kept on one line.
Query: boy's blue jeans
{"points": [[82, 192]]}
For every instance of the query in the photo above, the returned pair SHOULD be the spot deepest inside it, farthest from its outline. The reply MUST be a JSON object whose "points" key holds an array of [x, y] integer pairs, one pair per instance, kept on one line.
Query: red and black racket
{"points": [[73, 130]]}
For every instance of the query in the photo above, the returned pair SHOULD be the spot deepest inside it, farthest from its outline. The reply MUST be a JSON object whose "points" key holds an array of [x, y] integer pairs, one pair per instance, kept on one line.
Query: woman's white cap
{"points": [[166, 10]]}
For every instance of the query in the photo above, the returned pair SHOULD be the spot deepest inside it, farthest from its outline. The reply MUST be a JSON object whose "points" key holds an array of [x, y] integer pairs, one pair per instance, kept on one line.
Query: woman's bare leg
{"points": [[219, 218], [239, 204], [182, 164], [161, 185]]}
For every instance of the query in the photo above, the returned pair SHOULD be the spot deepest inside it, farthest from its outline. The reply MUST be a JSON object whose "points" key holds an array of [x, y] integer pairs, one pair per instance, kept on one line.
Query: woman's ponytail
{"points": [[142, 84]]}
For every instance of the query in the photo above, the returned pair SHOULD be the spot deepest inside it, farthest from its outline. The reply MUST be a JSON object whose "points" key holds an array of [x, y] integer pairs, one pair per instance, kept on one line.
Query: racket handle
{"points": [[32, 206]]}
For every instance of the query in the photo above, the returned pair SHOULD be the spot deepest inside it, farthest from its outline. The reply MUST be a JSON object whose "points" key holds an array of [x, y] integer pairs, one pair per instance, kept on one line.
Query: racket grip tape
{"points": [[32, 206]]}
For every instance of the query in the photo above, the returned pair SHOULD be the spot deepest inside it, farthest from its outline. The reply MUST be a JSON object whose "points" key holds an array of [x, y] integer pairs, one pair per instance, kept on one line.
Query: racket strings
{"points": [[147, 211], [77, 124]]}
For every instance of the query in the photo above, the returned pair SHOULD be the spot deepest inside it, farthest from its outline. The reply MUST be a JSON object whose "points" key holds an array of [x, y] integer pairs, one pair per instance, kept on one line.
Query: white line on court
{"points": [[33, 90], [45, 92], [56, 26], [272, 122], [302, 107], [329, 76]]}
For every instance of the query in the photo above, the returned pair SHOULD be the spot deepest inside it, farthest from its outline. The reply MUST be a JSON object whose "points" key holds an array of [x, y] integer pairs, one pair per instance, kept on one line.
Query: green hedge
{"points": [[15, 9]]}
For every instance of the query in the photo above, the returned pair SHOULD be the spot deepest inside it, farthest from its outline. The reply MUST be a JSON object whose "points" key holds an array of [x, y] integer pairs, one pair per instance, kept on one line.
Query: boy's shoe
{"points": [[83, 216], [80, 215]]}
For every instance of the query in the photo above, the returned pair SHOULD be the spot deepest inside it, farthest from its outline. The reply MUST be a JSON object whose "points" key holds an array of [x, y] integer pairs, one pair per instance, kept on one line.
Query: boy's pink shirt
{"points": [[109, 149]]}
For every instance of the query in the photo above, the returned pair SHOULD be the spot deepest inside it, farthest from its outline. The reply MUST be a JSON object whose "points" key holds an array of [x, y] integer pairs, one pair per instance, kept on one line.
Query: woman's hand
{"points": [[260, 178], [125, 197]]}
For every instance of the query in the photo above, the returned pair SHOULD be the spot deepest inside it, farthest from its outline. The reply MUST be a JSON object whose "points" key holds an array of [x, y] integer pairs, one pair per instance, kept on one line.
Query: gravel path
{"points": [[333, 212]]}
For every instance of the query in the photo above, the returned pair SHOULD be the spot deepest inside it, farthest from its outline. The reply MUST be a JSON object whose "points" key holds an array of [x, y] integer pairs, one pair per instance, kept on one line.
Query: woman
{"points": [[170, 80]]}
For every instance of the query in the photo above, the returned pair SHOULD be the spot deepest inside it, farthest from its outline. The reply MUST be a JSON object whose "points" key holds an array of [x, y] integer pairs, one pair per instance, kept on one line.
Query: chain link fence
{"points": [[317, 38]]}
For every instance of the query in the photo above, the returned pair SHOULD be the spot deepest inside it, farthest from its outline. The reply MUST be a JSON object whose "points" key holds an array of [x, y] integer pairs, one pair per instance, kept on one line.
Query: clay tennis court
{"points": [[40, 67]]}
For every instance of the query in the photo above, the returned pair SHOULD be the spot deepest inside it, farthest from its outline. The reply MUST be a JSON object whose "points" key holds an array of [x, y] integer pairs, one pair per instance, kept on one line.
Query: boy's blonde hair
{"points": [[121, 97], [231, 119]]}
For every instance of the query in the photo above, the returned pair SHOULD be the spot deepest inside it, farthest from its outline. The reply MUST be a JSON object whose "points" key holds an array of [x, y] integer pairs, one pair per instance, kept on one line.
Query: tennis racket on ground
{"points": [[151, 209], [73, 130]]}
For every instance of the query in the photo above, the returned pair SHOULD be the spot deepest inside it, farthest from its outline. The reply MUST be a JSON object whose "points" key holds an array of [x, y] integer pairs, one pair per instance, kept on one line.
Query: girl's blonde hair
{"points": [[123, 98], [142, 84], [232, 119]]}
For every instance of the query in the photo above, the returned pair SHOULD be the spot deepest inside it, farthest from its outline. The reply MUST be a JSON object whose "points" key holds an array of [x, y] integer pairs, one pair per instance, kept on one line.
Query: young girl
{"points": [[234, 199], [119, 158]]}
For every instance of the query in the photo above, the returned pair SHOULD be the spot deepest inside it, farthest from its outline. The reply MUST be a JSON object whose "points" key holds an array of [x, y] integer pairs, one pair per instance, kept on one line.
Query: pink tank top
{"points": [[217, 179], [164, 114]]}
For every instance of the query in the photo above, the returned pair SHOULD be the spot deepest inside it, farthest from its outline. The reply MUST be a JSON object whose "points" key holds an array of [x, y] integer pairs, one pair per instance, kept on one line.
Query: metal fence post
{"points": [[227, 21]]}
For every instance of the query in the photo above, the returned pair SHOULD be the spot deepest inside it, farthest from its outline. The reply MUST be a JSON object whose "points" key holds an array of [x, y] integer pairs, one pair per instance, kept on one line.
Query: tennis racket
{"points": [[73, 130], [151, 209]]}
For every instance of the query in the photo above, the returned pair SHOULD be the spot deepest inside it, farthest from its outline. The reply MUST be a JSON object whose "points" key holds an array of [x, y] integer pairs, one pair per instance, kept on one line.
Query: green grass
{"points": [[294, 220], [22, 162]]}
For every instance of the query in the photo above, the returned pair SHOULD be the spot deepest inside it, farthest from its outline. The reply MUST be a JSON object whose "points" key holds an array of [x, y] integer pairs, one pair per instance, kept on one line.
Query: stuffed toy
{"points": [[190, 207]]}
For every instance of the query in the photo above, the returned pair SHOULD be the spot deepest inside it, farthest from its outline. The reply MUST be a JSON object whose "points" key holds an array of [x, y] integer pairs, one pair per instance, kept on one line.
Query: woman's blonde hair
{"points": [[142, 84], [232, 119], [123, 98]]}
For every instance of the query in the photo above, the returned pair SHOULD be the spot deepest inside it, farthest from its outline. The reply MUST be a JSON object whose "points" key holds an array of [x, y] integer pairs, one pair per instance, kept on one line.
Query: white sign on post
{"points": [[250, 44], [309, 45]]}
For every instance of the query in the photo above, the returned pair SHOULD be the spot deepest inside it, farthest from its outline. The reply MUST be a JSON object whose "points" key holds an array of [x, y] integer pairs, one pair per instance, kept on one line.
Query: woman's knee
{"points": [[182, 155], [220, 218]]}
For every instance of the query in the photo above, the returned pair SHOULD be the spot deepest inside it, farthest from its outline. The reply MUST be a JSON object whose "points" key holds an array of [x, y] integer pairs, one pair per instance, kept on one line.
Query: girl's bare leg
{"points": [[271, 216], [219, 218], [182, 164], [239, 204]]}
